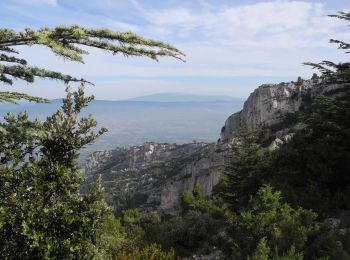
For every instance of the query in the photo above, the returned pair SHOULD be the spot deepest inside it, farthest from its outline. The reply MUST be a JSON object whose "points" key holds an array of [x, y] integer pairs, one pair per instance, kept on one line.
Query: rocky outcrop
{"points": [[154, 176], [272, 104]]}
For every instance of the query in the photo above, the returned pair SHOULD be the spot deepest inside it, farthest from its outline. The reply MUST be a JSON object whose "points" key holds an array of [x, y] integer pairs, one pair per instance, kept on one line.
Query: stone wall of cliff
{"points": [[152, 177], [271, 104]]}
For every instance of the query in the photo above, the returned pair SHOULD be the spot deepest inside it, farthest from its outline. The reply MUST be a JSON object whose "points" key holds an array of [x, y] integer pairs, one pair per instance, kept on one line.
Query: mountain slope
{"points": [[144, 169]]}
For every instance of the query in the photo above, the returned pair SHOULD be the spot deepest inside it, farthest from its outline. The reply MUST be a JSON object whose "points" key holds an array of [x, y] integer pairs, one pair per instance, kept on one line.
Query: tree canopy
{"points": [[69, 42], [43, 213]]}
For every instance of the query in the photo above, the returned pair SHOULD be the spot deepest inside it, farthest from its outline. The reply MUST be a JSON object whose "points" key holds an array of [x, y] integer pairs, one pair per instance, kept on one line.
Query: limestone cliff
{"points": [[272, 104], [153, 176]]}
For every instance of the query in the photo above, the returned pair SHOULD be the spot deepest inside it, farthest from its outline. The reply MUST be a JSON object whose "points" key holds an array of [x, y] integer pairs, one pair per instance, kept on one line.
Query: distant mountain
{"points": [[183, 97]]}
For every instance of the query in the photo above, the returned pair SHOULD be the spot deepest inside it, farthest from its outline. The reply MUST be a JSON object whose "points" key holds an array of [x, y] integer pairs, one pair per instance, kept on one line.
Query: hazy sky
{"points": [[231, 46]]}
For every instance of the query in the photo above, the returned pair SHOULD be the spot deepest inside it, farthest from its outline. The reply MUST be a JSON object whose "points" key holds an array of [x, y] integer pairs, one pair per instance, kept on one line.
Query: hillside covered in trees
{"points": [[275, 200]]}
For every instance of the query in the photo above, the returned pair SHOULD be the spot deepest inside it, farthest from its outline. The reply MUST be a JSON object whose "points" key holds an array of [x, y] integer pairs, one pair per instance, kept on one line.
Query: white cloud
{"points": [[267, 17], [287, 24], [265, 39], [119, 26], [178, 17], [273, 17]]}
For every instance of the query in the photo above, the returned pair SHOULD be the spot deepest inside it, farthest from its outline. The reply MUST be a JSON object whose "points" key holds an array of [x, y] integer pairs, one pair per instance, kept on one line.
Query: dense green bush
{"points": [[275, 229], [43, 214]]}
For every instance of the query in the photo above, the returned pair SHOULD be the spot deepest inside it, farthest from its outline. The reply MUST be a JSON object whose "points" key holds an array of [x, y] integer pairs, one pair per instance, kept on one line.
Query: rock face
{"points": [[152, 177], [272, 104]]}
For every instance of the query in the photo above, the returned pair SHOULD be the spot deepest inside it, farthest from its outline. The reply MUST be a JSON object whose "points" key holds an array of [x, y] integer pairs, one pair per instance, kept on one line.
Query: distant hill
{"points": [[183, 97]]}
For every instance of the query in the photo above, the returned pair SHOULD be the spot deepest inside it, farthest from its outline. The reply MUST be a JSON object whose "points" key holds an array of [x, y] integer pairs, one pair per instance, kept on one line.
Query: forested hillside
{"points": [[284, 191]]}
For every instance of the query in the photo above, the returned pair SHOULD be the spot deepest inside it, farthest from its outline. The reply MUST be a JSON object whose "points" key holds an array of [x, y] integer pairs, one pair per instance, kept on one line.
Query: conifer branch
{"points": [[13, 97], [27, 74], [330, 71], [6, 58], [341, 15], [61, 41], [69, 42]]}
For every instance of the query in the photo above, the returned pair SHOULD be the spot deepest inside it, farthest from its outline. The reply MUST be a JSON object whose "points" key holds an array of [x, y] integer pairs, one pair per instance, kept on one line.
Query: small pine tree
{"points": [[187, 200], [262, 251], [243, 174], [197, 192], [299, 81], [315, 77]]}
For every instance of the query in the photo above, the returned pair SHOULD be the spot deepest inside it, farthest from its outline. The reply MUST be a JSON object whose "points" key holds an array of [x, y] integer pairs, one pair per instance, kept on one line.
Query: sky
{"points": [[231, 46]]}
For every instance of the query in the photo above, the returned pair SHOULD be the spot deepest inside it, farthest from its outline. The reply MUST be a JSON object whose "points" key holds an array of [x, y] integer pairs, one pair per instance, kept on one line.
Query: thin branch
{"points": [[13, 97]]}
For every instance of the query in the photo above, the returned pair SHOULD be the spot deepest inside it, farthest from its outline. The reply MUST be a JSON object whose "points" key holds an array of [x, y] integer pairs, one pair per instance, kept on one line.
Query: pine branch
{"points": [[28, 73], [61, 41], [68, 42], [8, 49], [6, 58], [332, 72], [13, 97], [342, 45], [5, 79], [341, 15]]}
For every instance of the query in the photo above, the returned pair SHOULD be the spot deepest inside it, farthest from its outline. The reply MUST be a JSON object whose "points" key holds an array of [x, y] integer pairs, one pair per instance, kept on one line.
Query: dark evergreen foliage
{"points": [[269, 204], [243, 175], [312, 169], [43, 215]]}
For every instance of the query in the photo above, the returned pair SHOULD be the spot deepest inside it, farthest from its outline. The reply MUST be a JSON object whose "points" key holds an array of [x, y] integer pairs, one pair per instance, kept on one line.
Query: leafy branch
{"points": [[68, 42], [332, 72]]}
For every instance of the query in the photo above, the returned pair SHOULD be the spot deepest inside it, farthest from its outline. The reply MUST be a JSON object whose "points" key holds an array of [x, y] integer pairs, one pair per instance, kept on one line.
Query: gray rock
{"points": [[271, 104], [152, 177]]}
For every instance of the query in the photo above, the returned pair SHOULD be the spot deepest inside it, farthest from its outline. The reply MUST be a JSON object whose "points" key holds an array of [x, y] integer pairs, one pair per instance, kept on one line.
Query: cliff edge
{"points": [[272, 104], [153, 177]]}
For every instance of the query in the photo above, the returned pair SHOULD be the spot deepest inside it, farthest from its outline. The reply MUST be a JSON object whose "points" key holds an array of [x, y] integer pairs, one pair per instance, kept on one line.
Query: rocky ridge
{"points": [[271, 104], [152, 177]]}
